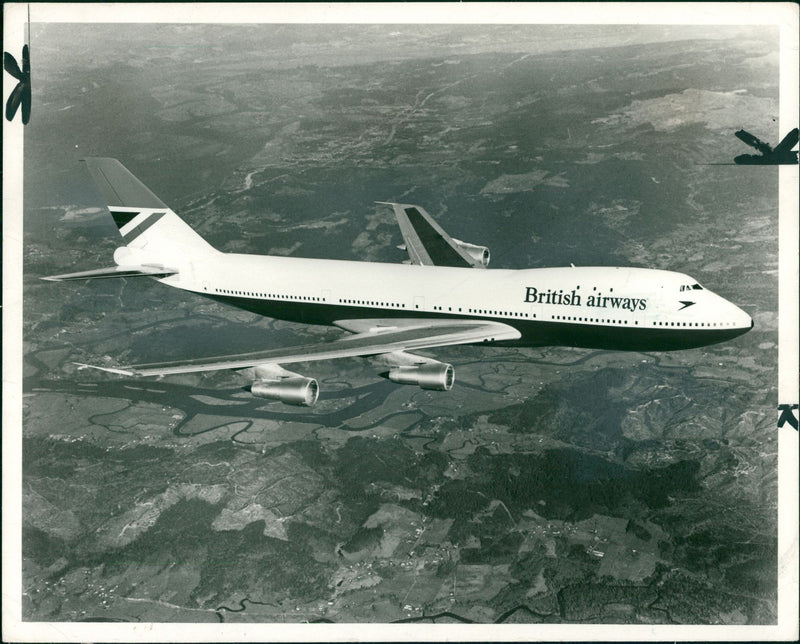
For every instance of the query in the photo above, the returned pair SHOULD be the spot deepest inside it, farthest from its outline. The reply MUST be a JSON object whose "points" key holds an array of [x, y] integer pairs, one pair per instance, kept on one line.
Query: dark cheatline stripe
{"points": [[535, 333], [122, 218], [440, 252], [133, 234]]}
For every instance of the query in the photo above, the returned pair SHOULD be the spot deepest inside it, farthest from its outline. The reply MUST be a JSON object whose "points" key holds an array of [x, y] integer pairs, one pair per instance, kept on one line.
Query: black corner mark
{"points": [[21, 95], [787, 415]]}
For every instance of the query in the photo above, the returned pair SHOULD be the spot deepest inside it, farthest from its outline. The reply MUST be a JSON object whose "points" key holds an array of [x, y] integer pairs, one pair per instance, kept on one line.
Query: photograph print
{"points": [[399, 321]]}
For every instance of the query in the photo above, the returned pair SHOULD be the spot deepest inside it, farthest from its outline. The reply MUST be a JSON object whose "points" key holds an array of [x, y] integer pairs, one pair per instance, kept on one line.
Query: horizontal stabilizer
{"points": [[114, 271]]}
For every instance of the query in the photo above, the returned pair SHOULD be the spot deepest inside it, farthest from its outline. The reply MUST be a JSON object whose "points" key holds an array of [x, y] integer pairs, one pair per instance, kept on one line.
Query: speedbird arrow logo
{"points": [[686, 304]]}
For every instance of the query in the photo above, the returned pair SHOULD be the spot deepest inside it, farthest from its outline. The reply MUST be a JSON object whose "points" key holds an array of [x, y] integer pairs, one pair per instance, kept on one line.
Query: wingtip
{"points": [[122, 372]]}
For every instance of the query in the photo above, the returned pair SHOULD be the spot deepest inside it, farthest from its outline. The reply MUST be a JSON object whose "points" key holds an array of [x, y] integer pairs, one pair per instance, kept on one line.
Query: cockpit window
{"points": [[697, 287], [691, 287]]}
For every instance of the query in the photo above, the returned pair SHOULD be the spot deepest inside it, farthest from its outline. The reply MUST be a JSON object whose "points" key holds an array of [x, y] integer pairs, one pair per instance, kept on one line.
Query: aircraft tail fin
{"points": [[118, 186], [144, 221]]}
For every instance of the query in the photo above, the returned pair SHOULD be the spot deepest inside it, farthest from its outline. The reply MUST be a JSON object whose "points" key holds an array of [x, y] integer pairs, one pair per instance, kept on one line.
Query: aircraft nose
{"points": [[731, 315]]}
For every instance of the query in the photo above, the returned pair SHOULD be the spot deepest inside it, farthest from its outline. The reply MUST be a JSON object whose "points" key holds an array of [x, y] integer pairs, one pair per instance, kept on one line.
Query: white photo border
{"points": [[781, 14]]}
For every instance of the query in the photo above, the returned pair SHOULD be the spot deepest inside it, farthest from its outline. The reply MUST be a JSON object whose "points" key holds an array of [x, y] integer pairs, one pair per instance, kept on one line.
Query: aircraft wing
{"points": [[370, 337], [789, 141], [752, 141], [425, 240]]}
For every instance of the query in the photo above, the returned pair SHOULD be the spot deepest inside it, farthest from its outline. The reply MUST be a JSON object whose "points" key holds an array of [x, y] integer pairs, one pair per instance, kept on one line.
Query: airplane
{"points": [[443, 295], [782, 154]]}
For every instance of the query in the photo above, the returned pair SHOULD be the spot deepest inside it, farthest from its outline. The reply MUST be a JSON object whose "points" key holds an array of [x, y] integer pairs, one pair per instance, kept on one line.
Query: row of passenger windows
{"points": [[437, 308], [308, 298], [511, 314], [574, 319], [393, 305], [705, 324], [274, 296]]}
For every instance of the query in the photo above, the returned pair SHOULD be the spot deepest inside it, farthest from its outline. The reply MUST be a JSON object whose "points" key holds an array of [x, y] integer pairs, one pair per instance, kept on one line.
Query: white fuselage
{"points": [[548, 305]]}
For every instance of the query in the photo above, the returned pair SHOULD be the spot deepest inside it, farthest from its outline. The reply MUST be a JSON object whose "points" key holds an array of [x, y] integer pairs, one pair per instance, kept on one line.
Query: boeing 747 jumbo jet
{"points": [[439, 297]]}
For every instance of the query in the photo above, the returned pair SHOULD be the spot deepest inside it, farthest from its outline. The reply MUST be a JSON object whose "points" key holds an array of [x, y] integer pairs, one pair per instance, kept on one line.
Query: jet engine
{"points": [[479, 254], [293, 391], [437, 376]]}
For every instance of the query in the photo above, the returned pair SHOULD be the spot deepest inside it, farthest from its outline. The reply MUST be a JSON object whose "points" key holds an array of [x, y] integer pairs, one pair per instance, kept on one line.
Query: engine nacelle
{"points": [[437, 376], [479, 254], [292, 391]]}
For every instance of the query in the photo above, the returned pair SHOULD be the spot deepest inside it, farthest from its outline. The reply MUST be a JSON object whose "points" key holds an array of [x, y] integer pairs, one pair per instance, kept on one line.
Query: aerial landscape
{"points": [[551, 485]]}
